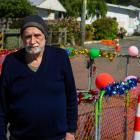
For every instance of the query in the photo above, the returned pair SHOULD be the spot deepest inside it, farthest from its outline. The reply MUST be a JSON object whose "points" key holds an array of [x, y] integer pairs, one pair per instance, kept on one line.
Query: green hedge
{"points": [[105, 28]]}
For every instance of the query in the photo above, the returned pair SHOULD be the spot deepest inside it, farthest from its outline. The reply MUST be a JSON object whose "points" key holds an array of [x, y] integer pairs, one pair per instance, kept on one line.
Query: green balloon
{"points": [[70, 48], [94, 52]]}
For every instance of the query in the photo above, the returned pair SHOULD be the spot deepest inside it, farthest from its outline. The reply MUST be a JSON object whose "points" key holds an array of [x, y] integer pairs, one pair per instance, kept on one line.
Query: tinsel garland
{"points": [[120, 88]]}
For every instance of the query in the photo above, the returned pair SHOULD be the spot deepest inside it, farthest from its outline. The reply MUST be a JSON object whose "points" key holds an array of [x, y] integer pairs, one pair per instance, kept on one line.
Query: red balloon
{"points": [[103, 79]]}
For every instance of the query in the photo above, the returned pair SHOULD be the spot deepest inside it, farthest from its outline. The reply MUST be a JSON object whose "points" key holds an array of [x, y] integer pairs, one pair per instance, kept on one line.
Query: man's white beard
{"points": [[33, 50]]}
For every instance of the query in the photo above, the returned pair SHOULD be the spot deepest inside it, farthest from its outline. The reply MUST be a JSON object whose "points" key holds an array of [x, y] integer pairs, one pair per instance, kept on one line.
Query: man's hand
{"points": [[70, 136]]}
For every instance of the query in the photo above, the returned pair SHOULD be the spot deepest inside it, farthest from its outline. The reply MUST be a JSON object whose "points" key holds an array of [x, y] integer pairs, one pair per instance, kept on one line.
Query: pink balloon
{"points": [[133, 51], [130, 77]]}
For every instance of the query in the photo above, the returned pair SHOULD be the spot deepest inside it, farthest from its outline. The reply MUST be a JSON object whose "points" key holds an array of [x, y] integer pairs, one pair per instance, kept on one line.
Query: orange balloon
{"points": [[103, 79]]}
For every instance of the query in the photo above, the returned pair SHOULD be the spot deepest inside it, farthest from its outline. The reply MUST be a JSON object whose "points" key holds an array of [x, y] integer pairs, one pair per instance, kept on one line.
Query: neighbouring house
{"points": [[49, 9], [127, 17]]}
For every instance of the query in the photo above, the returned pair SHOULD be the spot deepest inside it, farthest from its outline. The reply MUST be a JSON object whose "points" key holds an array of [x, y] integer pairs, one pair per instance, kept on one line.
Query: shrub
{"points": [[105, 28], [89, 32], [121, 32], [72, 27]]}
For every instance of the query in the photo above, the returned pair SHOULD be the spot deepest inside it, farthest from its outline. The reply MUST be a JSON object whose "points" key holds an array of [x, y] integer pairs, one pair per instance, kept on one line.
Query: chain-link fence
{"points": [[86, 122], [116, 119]]}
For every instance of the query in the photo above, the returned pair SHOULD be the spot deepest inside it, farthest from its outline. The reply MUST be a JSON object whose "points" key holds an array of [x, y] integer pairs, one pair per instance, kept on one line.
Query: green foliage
{"points": [[89, 27], [105, 28], [89, 32], [74, 7], [111, 1], [15, 8], [100, 8]]}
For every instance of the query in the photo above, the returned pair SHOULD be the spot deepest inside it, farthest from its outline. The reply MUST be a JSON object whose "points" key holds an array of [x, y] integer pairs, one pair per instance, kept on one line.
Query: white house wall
{"points": [[51, 16], [125, 18], [122, 19]]}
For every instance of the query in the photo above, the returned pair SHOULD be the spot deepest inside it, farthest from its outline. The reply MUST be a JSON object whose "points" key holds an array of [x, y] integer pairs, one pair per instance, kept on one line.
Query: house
{"points": [[49, 9], [127, 17]]}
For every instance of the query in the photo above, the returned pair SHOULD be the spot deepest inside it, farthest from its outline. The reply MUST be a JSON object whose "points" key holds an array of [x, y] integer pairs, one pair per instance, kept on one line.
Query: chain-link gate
{"points": [[86, 122], [116, 119]]}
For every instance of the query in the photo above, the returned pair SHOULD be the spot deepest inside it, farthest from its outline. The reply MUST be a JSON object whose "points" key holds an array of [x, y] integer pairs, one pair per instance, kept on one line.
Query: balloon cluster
{"points": [[89, 97], [92, 52], [120, 87]]}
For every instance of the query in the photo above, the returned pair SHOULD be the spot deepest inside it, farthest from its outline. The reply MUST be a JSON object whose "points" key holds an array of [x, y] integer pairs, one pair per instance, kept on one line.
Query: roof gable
{"points": [[48, 4], [134, 7], [53, 5], [122, 7]]}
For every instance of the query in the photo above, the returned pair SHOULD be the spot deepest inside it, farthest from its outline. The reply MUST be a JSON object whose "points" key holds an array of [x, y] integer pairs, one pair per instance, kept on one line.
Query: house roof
{"points": [[133, 7], [48, 4], [130, 7]]}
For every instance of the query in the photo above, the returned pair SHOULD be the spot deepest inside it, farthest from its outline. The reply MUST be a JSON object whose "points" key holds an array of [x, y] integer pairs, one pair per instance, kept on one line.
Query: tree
{"points": [[14, 9], [111, 1], [100, 8], [73, 7], [94, 7]]}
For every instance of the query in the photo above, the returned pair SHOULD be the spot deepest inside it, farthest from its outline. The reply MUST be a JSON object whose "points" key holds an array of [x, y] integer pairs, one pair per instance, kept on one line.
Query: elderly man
{"points": [[37, 89]]}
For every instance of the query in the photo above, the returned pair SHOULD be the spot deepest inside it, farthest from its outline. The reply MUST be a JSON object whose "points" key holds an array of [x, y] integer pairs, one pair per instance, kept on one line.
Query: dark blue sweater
{"points": [[38, 105]]}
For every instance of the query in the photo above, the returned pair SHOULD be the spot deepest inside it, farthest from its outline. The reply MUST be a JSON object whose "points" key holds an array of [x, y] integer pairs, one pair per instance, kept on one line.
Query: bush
{"points": [[121, 32], [89, 32], [72, 27], [105, 28]]}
